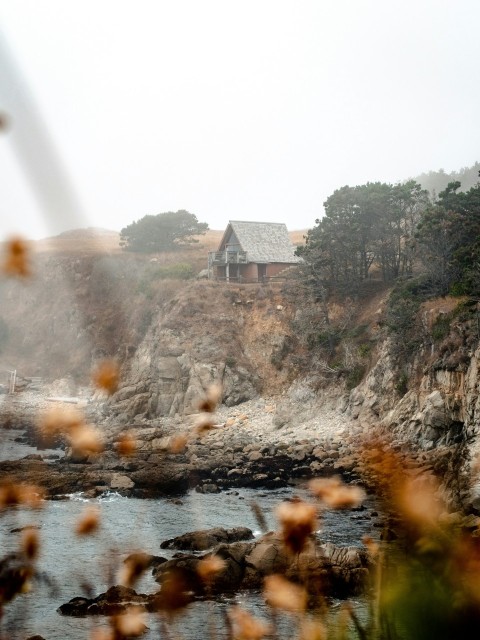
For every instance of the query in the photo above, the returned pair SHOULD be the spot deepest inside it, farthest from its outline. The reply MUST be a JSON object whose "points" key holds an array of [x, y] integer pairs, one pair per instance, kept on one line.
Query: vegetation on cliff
{"points": [[163, 232]]}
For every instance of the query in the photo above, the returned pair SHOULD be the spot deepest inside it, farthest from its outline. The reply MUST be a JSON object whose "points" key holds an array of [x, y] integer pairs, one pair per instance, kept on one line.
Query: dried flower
{"points": [[259, 516], [311, 629], [126, 445], [59, 420], [298, 520], [28, 495], [85, 440], [204, 424], [133, 568], [209, 567], [211, 400], [30, 543], [280, 593], [178, 443], [417, 499], [106, 376], [246, 627], [176, 591], [88, 522], [373, 547], [130, 624], [102, 634], [17, 258], [336, 495]]}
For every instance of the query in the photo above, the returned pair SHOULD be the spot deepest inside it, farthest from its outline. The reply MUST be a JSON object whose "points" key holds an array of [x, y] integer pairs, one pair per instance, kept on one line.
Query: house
{"points": [[252, 252]]}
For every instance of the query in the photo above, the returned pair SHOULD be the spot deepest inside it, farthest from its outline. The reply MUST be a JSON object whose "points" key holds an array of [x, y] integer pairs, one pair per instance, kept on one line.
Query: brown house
{"points": [[252, 252]]}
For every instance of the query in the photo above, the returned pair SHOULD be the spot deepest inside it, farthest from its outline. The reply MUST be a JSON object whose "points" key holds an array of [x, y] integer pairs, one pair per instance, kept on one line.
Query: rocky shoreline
{"points": [[263, 443], [324, 568], [250, 445]]}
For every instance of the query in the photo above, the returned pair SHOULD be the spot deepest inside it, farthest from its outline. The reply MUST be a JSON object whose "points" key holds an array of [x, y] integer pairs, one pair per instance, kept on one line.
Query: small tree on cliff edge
{"points": [[163, 232]]}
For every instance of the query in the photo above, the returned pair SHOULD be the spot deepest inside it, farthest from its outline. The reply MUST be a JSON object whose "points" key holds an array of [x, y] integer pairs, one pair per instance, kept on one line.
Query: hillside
{"points": [[172, 337], [88, 299]]}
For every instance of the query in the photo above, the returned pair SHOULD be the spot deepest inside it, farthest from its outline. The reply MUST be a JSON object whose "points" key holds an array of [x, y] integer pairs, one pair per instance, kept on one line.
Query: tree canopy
{"points": [[448, 236], [162, 232], [370, 224]]}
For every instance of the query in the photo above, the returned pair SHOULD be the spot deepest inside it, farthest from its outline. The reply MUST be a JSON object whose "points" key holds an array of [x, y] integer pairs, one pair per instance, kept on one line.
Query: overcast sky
{"points": [[253, 110]]}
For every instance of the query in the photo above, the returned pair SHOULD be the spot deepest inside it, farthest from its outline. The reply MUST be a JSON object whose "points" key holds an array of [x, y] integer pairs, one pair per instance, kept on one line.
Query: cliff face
{"points": [[207, 333], [174, 339], [442, 402]]}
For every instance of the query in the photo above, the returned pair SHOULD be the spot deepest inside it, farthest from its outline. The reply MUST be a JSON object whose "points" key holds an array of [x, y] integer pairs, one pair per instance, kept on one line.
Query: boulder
{"points": [[114, 601], [325, 569], [207, 538]]}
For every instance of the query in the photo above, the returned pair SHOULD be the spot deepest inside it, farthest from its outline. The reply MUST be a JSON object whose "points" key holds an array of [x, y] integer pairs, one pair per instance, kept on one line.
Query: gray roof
{"points": [[263, 241]]}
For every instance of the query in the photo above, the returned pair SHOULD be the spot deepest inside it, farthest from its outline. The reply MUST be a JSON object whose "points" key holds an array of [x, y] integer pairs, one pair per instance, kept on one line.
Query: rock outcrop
{"points": [[325, 568], [207, 538]]}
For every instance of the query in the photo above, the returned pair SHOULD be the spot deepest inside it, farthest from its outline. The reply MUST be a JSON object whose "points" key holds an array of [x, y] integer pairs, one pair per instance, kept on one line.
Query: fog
{"points": [[252, 110]]}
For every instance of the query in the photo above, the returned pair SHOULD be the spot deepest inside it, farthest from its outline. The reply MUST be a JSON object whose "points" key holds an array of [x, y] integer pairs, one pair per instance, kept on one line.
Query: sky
{"points": [[251, 110]]}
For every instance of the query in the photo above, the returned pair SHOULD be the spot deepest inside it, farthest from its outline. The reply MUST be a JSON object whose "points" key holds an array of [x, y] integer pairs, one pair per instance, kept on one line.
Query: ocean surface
{"points": [[69, 564]]}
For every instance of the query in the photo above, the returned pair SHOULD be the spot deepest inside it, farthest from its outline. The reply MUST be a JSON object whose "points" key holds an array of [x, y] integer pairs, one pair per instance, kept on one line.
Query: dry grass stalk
{"points": [[280, 593], [85, 440], [204, 424], [130, 624], [126, 445], [211, 400], [27, 495], [107, 376], [88, 522], [373, 547], [209, 567], [417, 500], [59, 421], [259, 516], [178, 443], [134, 567], [176, 592], [246, 627], [30, 543], [312, 629], [17, 259], [102, 634], [298, 520], [335, 494]]}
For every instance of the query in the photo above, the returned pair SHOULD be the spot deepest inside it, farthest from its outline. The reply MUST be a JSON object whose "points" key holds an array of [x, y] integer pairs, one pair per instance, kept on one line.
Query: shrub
{"points": [[364, 349], [354, 376], [177, 271], [441, 327], [230, 361], [401, 385]]}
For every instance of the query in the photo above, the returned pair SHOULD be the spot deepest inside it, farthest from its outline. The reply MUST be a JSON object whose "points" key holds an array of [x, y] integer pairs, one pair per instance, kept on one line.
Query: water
{"points": [[11, 450], [127, 525]]}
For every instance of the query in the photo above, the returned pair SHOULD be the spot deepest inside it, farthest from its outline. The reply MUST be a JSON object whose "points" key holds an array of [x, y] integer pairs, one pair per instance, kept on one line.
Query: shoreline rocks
{"points": [[323, 569], [207, 538], [245, 449]]}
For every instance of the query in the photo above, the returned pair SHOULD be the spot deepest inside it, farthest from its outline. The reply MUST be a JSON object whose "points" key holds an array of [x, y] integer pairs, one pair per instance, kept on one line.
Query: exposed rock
{"points": [[208, 538], [114, 601], [326, 569], [120, 481]]}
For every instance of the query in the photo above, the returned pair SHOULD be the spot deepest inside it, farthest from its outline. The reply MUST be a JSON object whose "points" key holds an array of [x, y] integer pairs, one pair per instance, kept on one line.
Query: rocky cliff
{"points": [[433, 399], [173, 339], [236, 336]]}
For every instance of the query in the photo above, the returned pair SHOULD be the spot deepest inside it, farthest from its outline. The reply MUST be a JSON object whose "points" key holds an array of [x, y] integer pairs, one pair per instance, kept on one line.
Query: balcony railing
{"points": [[218, 258]]}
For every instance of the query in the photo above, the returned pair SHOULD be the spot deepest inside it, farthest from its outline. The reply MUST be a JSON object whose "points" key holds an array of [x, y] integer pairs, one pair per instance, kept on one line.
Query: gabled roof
{"points": [[263, 241]]}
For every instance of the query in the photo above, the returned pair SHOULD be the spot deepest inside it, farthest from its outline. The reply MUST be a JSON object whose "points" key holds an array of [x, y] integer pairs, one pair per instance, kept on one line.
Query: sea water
{"points": [[73, 565]]}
